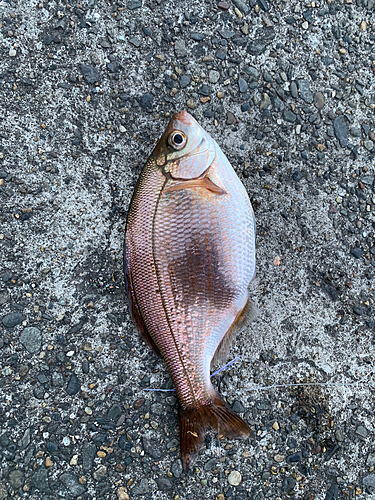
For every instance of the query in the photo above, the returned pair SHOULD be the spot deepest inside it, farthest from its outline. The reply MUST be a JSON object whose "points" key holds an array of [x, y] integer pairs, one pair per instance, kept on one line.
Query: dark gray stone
{"points": [[278, 104], [151, 447], [204, 90], [263, 5], [136, 41], [289, 116], [341, 130], [143, 487], [242, 6], [146, 101], [361, 431], [38, 392], [242, 85], [327, 61], [307, 15], [164, 483], [12, 319], [185, 81], [292, 442], [42, 378], [210, 464], [230, 118], [180, 49], [4, 440], [16, 479], [319, 100], [227, 34], [176, 468], [238, 407], [294, 89], [259, 45], [88, 456], [371, 459], [114, 412], [267, 77], [73, 385], [368, 180], [173, 443], [288, 484], [305, 91], [31, 339], [332, 492], [40, 480], [72, 484], [25, 440], [297, 175], [90, 73], [296, 457], [133, 4], [369, 481], [198, 37], [356, 252], [252, 72]]}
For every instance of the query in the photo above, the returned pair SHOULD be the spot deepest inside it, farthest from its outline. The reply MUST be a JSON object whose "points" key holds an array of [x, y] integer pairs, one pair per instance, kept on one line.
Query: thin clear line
{"points": [[225, 367]]}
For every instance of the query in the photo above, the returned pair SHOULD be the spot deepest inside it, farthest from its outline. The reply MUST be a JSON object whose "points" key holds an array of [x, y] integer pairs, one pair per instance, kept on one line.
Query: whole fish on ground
{"points": [[189, 258]]}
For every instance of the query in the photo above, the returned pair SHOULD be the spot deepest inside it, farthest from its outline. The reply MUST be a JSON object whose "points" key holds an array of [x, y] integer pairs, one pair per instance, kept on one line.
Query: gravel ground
{"points": [[287, 89]]}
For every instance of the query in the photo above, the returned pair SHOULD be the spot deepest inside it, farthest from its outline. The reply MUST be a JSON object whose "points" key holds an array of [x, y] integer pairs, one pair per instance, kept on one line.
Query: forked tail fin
{"points": [[194, 424]]}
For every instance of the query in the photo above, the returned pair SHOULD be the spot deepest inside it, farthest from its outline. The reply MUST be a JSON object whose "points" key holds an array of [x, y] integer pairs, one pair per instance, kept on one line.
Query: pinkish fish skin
{"points": [[189, 259]]}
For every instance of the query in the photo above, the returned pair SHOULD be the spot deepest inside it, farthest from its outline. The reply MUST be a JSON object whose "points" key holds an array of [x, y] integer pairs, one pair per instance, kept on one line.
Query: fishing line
{"points": [[225, 367], [277, 386]]}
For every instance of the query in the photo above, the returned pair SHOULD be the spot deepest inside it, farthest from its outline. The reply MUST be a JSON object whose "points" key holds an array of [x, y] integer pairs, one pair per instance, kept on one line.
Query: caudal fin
{"points": [[194, 424]]}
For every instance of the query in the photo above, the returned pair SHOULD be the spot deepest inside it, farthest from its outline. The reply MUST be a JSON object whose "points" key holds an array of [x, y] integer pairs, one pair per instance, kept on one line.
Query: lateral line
{"points": [[161, 294]]}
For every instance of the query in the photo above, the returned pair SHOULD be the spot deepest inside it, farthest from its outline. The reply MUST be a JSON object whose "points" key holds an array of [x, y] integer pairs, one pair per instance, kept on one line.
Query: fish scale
{"points": [[189, 258]]}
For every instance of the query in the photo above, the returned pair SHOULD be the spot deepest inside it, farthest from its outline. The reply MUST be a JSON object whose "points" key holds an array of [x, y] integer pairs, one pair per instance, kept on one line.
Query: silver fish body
{"points": [[189, 259]]}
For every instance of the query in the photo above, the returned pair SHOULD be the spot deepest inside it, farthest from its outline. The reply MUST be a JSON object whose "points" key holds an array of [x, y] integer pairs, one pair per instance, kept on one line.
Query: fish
{"points": [[189, 258]]}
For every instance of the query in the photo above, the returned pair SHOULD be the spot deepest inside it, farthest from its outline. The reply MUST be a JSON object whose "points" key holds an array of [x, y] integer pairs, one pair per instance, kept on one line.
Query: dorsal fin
{"points": [[247, 314]]}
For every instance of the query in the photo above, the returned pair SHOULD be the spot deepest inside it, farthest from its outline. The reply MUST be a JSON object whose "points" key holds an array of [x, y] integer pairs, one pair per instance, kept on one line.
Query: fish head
{"points": [[185, 151]]}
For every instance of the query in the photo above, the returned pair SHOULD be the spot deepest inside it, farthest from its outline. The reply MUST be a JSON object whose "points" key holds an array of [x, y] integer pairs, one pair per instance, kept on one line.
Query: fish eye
{"points": [[177, 139]]}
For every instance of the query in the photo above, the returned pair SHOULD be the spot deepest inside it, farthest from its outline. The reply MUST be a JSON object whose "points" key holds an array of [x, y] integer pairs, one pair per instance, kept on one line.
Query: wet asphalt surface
{"points": [[287, 89]]}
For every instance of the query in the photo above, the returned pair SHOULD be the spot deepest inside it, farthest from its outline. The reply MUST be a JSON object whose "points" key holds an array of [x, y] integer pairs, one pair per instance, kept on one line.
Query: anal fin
{"points": [[247, 314]]}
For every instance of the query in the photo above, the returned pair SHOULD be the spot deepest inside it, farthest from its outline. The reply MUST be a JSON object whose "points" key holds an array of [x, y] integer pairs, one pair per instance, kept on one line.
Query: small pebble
{"points": [[234, 478], [66, 441], [122, 493]]}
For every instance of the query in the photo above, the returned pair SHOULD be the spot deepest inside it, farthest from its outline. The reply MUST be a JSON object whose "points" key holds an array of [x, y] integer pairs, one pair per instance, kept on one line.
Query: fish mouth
{"points": [[185, 117]]}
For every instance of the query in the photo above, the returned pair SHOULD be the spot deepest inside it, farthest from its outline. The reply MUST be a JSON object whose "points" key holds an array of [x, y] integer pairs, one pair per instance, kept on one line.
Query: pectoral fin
{"points": [[203, 183]]}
